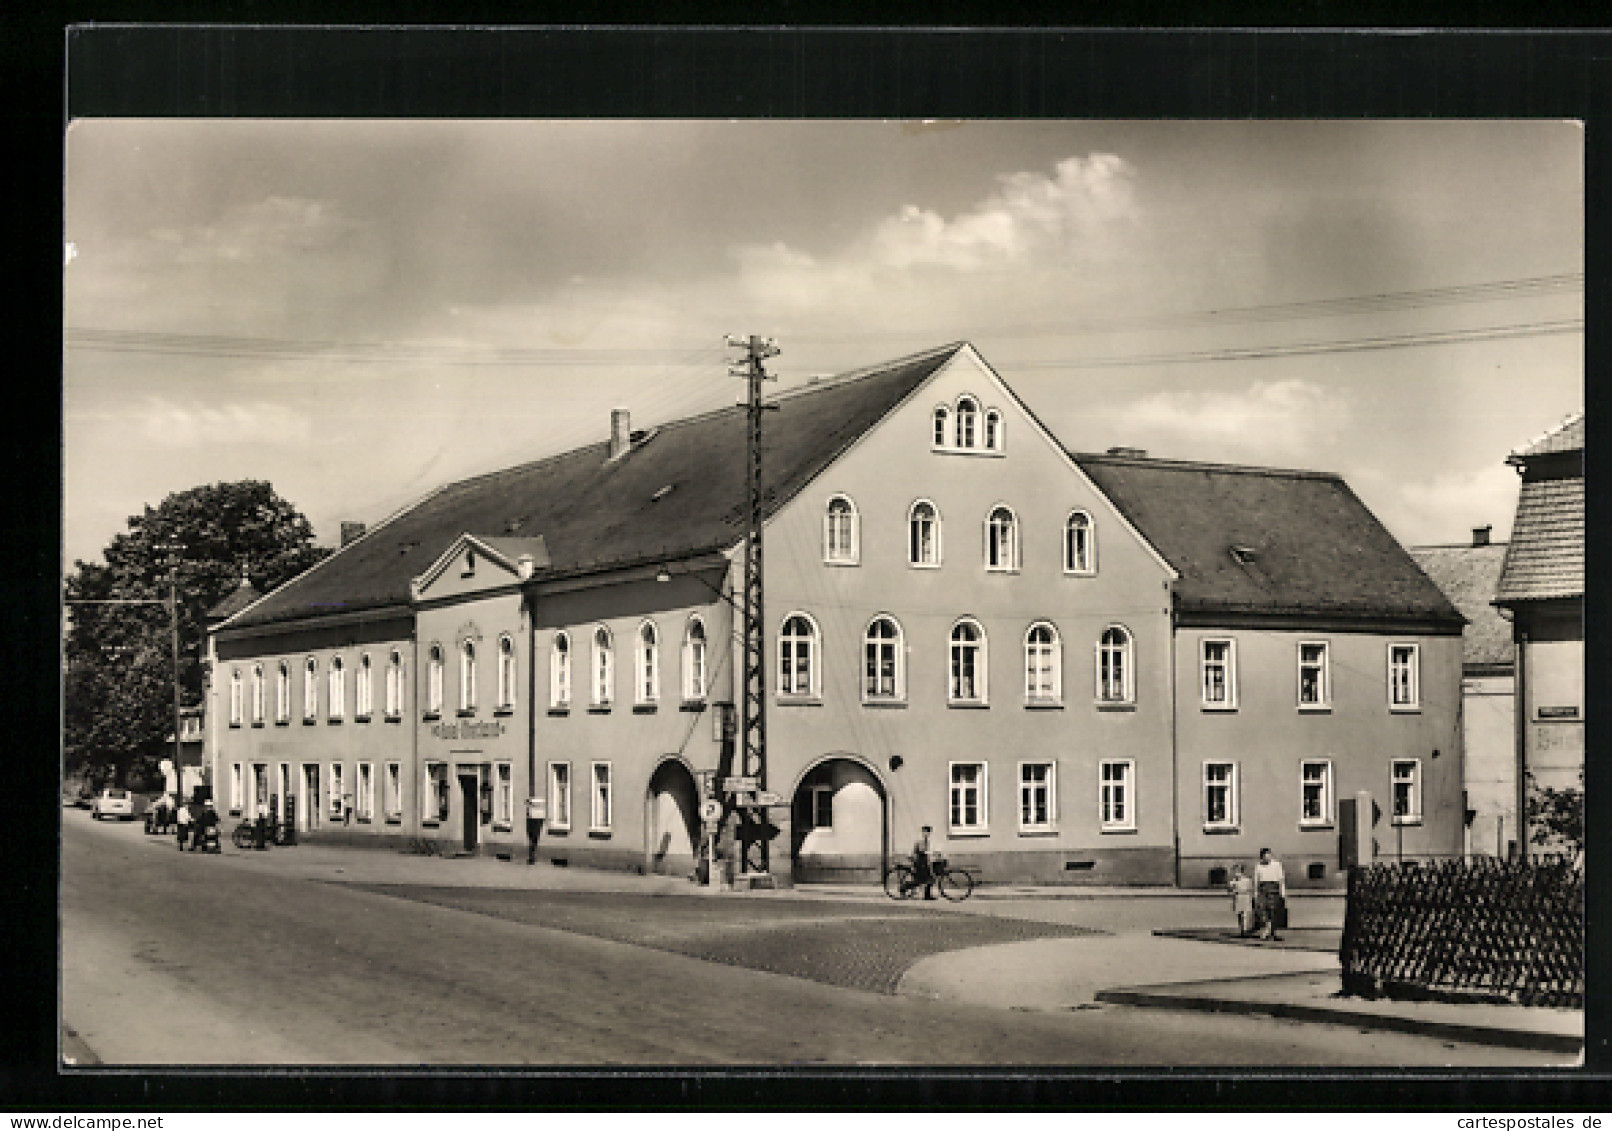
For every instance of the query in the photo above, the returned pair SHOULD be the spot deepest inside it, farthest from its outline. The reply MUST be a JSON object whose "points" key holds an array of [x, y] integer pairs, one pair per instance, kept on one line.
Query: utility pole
{"points": [[754, 852]]}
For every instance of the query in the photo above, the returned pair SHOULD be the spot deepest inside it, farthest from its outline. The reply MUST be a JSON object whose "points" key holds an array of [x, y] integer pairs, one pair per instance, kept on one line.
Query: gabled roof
{"points": [[1469, 575], [1546, 556], [1304, 543], [1568, 436], [243, 596], [678, 493], [505, 552]]}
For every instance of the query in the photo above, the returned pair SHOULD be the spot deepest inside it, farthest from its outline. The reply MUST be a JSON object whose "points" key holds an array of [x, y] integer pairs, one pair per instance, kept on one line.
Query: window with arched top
{"points": [[560, 671], [967, 682], [506, 672], [310, 690], [467, 676], [235, 697], [433, 681], [1115, 682], [336, 701], [1043, 664], [841, 533], [394, 685], [942, 418], [257, 695], [1079, 544], [646, 671], [923, 534], [883, 661], [967, 420], [282, 693], [604, 667], [1002, 540], [363, 692], [993, 430], [797, 656], [694, 660]]}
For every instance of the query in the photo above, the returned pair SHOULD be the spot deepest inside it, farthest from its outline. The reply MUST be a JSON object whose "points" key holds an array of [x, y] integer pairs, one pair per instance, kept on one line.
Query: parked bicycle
{"points": [[955, 884], [245, 834]]}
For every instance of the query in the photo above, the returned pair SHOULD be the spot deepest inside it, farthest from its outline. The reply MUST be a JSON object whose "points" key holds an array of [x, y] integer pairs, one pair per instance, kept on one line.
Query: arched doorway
{"points": [[671, 819], [839, 822]]}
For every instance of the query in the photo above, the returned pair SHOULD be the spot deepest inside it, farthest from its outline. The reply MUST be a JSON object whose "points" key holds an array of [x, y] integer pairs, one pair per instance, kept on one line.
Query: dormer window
{"points": [[841, 533], [967, 417]]}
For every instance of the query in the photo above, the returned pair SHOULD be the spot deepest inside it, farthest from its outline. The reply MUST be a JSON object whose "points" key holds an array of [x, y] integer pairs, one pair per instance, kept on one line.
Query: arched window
{"points": [[433, 681], [506, 673], [560, 671], [394, 685], [1002, 540], [337, 699], [310, 691], [467, 676], [993, 430], [1114, 681], [647, 666], [694, 660], [883, 674], [968, 657], [257, 695], [967, 414], [1043, 666], [942, 418], [604, 666], [1079, 544], [797, 656], [923, 534], [841, 533], [364, 692], [235, 697], [282, 693]]}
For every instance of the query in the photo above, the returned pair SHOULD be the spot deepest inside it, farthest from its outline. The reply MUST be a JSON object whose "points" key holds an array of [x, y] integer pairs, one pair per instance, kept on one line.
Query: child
{"points": [[1242, 900]]}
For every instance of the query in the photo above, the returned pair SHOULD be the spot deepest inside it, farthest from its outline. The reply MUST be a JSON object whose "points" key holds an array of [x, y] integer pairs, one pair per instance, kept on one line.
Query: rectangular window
{"points": [[1404, 677], [1220, 795], [1116, 807], [435, 798], [559, 797], [601, 813], [1315, 802], [237, 789], [364, 807], [1219, 664], [1407, 791], [338, 789], [1037, 794], [394, 791], [504, 795], [823, 807], [967, 809], [1315, 676], [260, 788]]}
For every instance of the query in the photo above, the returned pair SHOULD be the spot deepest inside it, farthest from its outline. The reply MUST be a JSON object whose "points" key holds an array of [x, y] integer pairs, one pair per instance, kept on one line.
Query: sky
{"points": [[361, 311]]}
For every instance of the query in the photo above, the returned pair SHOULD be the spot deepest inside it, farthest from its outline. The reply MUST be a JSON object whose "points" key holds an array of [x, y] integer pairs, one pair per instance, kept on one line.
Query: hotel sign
{"points": [[467, 729]]}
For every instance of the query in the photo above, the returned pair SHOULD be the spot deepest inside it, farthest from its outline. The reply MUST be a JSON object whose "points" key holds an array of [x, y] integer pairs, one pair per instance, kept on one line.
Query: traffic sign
{"points": [[740, 785], [768, 797], [710, 810]]}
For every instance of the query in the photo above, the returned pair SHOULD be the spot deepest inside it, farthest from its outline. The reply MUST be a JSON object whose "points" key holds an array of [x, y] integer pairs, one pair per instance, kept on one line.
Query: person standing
{"points": [[923, 871], [183, 821], [1270, 884], [1241, 887], [261, 840]]}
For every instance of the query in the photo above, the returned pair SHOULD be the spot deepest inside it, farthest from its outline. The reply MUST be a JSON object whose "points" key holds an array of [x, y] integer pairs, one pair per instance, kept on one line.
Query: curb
{"points": [[1162, 998]]}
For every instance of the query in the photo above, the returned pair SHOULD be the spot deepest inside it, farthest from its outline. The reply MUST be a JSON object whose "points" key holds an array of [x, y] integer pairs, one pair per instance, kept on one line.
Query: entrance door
{"points": [[470, 806]]}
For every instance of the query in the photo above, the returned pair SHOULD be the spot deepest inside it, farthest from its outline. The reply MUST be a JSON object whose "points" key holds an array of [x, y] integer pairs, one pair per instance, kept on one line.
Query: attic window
{"points": [[661, 494], [1243, 555], [470, 563]]}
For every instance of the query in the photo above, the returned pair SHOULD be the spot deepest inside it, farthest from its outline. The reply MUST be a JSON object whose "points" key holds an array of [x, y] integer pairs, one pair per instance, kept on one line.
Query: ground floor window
{"points": [[1115, 806], [560, 796], [504, 795], [338, 790], [237, 787], [394, 791], [1220, 795], [1315, 786], [365, 807], [435, 797], [822, 807], [259, 800], [967, 810], [1407, 791], [1036, 793], [603, 797]]}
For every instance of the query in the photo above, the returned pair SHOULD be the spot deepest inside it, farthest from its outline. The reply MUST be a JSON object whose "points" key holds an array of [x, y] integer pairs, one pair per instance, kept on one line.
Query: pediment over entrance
{"points": [[476, 564]]}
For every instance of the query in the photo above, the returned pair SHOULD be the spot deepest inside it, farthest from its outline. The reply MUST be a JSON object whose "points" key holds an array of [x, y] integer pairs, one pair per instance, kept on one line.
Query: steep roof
{"points": [[1469, 575], [1568, 436], [243, 595], [1546, 556], [678, 492], [1306, 545]]}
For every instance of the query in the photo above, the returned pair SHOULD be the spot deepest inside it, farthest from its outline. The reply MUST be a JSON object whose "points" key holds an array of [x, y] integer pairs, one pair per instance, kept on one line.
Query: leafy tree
{"points": [[118, 682], [1556, 816]]}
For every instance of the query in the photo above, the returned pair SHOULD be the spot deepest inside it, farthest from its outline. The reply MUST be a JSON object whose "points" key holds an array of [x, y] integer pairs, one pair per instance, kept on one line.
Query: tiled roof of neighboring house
{"points": [[1546, 557], [678, 492], [1307, 545], [1568, 436], [243, 596], [1469, 575]]}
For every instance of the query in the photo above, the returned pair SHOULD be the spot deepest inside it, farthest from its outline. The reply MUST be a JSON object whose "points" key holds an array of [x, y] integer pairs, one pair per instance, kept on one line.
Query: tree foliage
{"points": [[118, 682], [1556, 816]]}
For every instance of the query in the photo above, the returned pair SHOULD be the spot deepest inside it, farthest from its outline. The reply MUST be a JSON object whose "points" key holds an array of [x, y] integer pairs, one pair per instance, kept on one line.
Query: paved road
{"points": [[289, 969]]}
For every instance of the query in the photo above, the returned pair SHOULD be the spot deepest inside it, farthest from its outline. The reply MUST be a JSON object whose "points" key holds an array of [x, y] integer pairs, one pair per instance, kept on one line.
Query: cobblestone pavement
{"points": [[842, 943]]}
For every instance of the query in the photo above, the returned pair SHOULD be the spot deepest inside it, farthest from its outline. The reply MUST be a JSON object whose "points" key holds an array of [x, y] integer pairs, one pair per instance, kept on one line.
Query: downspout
{"points": [[1175, 741], [1520, 636], [532, 828]]}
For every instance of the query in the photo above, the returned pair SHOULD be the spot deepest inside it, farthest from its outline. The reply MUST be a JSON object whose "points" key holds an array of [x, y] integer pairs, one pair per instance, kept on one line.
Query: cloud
{"points": [[168, 423], [1287, 419], [271, 227], [1451, 504]]}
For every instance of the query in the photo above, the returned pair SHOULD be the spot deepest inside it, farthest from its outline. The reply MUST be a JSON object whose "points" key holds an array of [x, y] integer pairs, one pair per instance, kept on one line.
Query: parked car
{"points": [[117, 803]]}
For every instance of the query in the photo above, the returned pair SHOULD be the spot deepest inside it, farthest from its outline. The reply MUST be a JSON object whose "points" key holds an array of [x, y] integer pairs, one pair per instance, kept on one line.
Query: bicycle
{"points": [[954, 884]]}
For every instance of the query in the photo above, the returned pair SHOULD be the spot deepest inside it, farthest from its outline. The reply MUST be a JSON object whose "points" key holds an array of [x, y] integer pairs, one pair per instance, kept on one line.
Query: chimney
{"points": [[351, 532], [1480, 535], [620, 432]]}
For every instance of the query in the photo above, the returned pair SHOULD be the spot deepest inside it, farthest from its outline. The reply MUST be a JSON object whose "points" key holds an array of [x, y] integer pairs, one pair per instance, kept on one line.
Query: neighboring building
{"points": [[1469, 574], [191, 760], [967, 627], [1542, 590]]}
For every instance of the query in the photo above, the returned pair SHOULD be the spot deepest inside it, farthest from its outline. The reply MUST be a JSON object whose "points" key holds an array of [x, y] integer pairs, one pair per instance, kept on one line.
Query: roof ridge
{"points": [[837, 379], [1557, 429], [1205, 465]]}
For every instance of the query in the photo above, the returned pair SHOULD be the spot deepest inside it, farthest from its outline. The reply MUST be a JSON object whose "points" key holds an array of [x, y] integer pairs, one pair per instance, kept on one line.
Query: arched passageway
{"points": [[839, 822], [671, 820]]}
